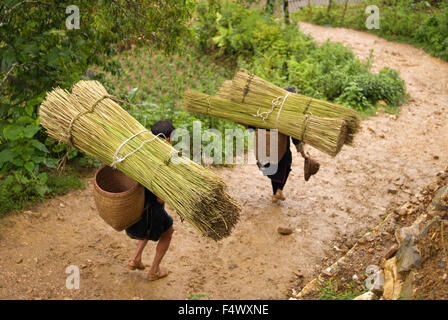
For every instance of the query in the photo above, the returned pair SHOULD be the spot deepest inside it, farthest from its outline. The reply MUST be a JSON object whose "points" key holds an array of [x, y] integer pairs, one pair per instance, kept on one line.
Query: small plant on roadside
{"points": [[193, 296], [332, 291]]}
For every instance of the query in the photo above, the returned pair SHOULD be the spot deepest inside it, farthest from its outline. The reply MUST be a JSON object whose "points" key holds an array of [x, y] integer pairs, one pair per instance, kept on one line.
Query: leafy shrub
{"points": [[285, 56], [335, 291], [432, 34], [38, 53], [18, 191], [353, 95], [422, 23]]}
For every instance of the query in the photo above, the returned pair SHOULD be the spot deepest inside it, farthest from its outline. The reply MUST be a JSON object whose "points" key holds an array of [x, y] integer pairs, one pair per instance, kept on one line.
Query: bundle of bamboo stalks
{"points": [[225, 92], [91, 120], [247, 88], [325, 134]]}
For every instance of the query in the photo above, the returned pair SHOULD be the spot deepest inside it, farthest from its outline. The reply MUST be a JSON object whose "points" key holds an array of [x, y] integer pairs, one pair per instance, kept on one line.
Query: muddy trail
{"points": [[391, 159]]}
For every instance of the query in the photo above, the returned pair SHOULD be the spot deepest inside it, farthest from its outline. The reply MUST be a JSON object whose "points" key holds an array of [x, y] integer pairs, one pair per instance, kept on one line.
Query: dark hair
{"points": [[290, 89], [164, 127]]}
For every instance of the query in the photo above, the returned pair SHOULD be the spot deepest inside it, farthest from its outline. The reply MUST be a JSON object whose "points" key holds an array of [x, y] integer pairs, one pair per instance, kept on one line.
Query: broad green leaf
{"points": [[39, 145], [29, 109], [58, 147], [6, 156], [30, 131], [42, 189], [8, 181], [29, 166], [51, 163], [72, 154], [16, 188], [13, 132], [43, 177]]}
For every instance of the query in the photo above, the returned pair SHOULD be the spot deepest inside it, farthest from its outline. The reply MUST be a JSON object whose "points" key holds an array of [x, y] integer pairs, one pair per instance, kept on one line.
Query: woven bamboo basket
{"points": [[119, 199]]}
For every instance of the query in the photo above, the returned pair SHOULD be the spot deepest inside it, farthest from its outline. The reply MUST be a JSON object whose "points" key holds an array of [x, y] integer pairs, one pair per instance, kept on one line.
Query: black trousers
{"points": [[278, 180]]}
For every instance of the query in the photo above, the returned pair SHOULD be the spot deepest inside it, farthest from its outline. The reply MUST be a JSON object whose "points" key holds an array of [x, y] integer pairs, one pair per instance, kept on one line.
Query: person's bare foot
{"points": [[274, 199], [132, 265], [161, 273], [279, 195]]}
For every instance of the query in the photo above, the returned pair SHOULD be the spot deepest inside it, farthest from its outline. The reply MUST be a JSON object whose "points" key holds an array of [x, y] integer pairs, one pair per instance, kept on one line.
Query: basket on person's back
{"points": [[118, 198]]}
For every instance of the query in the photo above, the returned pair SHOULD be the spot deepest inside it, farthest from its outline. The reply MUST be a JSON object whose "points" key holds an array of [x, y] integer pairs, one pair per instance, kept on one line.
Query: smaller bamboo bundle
{"points": [[249, 89], [325, 134]]}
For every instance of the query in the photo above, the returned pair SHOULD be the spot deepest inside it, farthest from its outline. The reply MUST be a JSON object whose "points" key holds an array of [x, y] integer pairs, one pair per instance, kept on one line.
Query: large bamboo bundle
{"points": [[325, 134], [90, 120], [249, 89], [225, 91]]}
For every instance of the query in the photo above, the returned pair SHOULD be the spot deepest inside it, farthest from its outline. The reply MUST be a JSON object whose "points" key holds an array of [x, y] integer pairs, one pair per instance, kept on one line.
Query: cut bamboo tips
{"points": [[249, 89]]}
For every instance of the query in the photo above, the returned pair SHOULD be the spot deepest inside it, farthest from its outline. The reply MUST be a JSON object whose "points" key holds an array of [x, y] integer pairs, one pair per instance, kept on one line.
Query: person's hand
{"points": [[160, 200]]}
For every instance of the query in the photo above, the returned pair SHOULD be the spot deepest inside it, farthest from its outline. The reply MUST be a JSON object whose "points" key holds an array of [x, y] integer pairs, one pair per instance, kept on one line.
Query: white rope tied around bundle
{"points": [[117, 160], [275, 103]]}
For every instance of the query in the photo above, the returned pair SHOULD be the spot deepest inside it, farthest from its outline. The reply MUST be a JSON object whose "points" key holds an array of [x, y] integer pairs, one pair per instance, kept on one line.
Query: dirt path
{"points": [[391, 159]]}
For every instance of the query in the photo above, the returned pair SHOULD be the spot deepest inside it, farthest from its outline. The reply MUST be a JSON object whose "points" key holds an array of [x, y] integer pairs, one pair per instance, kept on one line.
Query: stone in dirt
{"points": [[437, 213], [407, 291], [298, 273], [369, 295], [370, 236], [413, 230], [328, 272], [392, 285], [434, 221], [392, 190], [440, 200], [350, 243], [284, 230], [402, 210], [392, 250], [378, 283], [408, 256]]}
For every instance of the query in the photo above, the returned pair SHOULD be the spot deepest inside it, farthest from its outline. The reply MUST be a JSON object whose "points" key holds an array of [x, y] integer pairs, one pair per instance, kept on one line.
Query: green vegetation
{"points": [[17, 192], [421, 23], [38, 53], [199, 296], [285, 56], [334, 292]]}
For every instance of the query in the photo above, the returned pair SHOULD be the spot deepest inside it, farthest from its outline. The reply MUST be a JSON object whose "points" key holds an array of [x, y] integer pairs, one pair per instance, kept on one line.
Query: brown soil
{"points": [[432, 281], [375, 247], [391, 158]]}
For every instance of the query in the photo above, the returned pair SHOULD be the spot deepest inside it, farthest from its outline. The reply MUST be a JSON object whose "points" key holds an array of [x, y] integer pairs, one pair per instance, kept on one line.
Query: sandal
{"points": [[156, 276], [139, 266], [279, 195]]}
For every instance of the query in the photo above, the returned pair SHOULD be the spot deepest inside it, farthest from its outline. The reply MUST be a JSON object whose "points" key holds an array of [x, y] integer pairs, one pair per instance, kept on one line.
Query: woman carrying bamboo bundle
{"points": [[91, 120], [155, 223], [283, 167]]}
